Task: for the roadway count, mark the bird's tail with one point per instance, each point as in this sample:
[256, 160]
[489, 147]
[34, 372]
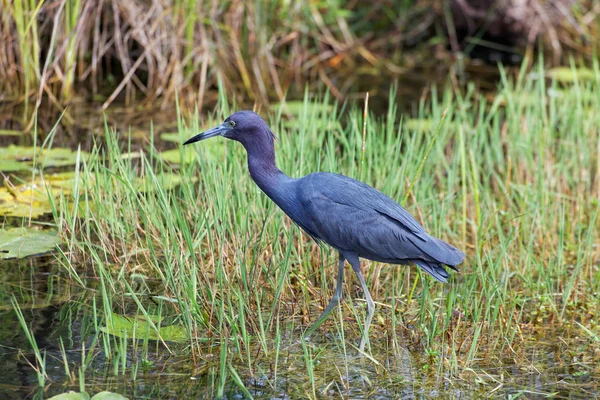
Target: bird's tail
[443, 254]
[434, 269]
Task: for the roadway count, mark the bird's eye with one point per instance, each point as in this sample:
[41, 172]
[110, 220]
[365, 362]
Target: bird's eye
[232, 123]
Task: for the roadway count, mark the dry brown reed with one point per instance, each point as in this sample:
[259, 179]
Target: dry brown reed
[150, 50]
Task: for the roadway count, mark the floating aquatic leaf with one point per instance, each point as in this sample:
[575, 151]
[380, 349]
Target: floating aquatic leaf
[23, 242]
[318, 123]
[154, 318]
[209, 150]
[297, 108]
[61, 180]
[131, 156]
[171, 137]
[109, 396]
[569, 75]
[9, 132]
[174, 156]
[140, 328]
[12, 166]
[32, 198]
[71, 395]
[55, 157]
[16, 206]
[5, 196]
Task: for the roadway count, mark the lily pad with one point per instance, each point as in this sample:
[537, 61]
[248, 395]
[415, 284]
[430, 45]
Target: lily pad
[11, 206]
[570, 75]
[129, 328]
[61, 180]
[10, 132]
[297, 108]
[32, 198]
[174, 156]
[109, 396]
[171, 137]
[318, 123]
[71, 395]
[23, 242]
[12, 166]
[209, 149]
[55, 157]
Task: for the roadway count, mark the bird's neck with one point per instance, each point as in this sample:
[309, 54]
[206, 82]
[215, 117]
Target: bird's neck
[263, 170]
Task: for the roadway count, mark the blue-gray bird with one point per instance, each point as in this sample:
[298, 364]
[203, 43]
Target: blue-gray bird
[350, 216]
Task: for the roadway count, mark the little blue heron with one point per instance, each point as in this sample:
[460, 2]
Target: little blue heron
[350, 216]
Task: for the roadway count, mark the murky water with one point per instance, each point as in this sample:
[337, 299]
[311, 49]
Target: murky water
[57, 312]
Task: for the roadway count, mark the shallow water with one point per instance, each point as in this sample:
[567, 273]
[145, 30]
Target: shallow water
[548, 365]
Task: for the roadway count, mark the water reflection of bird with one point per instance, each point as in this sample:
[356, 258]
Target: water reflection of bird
[352, 217]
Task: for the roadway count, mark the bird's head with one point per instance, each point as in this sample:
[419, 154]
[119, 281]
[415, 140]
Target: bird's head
[245, 127]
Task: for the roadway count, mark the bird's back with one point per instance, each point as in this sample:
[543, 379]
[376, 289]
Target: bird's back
[350, 215]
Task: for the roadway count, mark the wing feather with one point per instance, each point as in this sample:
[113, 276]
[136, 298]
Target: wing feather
[350, 215]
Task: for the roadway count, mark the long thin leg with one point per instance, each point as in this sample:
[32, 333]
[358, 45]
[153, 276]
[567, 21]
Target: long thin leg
[337, 296]
[355, 262]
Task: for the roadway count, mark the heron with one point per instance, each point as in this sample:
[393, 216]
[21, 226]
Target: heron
[354, 218]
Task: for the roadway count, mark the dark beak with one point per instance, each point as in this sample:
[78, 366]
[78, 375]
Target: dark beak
[216, 131]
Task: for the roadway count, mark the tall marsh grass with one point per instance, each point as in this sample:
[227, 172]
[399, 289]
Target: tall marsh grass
[150, 50]
[143, 52]
[514, 182]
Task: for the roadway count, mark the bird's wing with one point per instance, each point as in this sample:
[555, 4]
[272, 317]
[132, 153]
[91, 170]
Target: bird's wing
[351, 215]
[353, 193]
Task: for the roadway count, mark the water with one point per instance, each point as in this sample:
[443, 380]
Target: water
[57, 311]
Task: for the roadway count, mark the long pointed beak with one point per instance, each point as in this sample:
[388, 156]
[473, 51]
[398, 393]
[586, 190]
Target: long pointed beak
[216, 131]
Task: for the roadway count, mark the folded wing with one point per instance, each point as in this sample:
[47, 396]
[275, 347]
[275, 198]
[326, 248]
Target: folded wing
[366, 221]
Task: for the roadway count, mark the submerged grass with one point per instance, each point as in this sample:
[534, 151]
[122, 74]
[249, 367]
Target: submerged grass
[513, 182]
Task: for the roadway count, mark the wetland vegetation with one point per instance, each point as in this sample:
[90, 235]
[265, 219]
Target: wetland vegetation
[133, 265]
[163, 260]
